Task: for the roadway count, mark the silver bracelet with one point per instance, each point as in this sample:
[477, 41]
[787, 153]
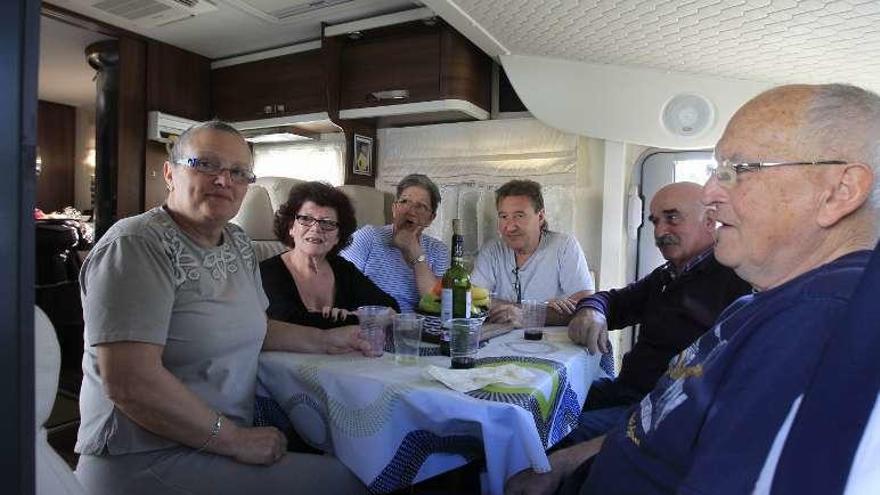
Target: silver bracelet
[215, 430]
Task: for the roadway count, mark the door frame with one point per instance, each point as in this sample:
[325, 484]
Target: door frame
[19, 51]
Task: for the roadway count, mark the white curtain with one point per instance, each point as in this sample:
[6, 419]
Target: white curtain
[307, 160]
[468, 161]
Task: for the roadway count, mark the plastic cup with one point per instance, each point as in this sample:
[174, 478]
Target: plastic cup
[374, 321]
[534, 314]
[464, 334]
[407, 337]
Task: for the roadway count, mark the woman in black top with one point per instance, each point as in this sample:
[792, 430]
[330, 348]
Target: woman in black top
[311, 285]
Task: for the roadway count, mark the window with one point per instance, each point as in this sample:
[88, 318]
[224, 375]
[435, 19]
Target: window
[310, 160]
[694, 170]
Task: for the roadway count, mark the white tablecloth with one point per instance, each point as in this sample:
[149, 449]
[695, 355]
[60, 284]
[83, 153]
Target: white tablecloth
[393, 426]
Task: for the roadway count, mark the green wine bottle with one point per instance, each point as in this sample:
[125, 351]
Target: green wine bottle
[456, 295]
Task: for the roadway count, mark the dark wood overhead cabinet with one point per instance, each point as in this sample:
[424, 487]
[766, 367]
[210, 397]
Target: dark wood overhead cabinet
[288, 85]
[413, 63]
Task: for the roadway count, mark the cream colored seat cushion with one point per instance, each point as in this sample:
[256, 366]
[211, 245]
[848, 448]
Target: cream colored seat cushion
[369, 204]
[54, 477]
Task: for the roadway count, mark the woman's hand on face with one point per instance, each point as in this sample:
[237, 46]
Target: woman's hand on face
[407, 237]
[335, 314]
[345, 339]
[258, 445]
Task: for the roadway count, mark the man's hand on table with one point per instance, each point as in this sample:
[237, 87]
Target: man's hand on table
[589, 328]
[563, 306]
[562, 464]
[345, 339]
[505, 312]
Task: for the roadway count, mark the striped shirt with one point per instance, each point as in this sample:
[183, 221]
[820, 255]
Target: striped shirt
[374, 253]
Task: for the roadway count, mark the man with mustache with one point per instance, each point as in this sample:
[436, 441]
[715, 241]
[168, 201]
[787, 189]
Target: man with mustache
[674, 304]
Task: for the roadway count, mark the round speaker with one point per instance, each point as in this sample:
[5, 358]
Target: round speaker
[687, 115]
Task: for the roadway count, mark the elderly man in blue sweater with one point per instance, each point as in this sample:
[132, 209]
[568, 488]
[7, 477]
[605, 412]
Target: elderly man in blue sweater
[796, 199]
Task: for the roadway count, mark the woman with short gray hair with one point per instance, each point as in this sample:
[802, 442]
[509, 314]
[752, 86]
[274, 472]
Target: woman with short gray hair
[399, 258]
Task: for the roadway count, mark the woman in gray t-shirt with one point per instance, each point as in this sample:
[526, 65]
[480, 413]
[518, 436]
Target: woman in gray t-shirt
[174, 316]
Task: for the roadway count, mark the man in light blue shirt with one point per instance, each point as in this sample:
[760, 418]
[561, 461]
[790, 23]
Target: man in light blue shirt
[529, 261]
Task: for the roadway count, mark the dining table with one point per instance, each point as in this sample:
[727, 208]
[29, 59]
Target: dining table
[393, 424]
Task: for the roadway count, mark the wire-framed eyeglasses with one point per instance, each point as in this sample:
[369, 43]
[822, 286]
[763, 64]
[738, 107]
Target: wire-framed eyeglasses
[416, 206]
[208, 167]
[323, 224]
[725, 173]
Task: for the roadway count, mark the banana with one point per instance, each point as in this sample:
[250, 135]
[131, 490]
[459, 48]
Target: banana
[478, 293]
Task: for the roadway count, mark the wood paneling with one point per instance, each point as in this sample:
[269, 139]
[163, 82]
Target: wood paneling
[154, 183]
[465, 71]
[296, 81]
[56, 138]
[132, 127]
[431, 62]
[178, 82]
[400, 60]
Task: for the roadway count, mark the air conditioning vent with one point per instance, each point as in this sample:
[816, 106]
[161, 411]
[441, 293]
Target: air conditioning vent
[308, 7]
[150, 13]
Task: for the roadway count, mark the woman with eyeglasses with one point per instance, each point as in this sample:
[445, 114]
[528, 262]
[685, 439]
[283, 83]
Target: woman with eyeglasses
[310, 284]
[174, 324]
[400, 258]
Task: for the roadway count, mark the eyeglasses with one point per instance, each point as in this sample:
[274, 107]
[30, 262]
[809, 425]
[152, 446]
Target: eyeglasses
[323, 224]
[517, 285]
[208, 167]
[414, 205]
[726, 172]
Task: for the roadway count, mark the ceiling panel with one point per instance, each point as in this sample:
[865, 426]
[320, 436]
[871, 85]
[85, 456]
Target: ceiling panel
[776, 41]
[245, 26]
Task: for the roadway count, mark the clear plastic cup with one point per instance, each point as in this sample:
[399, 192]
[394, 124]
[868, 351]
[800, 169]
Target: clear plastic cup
[407, 337]
[374, 322]
[464, 335]
[534, 314]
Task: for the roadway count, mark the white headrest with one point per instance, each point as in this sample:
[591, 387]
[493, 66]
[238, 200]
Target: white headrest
[256, 215]
[369, 204]
[47, 365]
[278, 189]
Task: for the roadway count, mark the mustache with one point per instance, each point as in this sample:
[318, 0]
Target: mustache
[667, 240]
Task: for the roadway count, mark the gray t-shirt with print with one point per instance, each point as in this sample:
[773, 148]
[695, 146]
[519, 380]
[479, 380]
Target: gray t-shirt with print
[147, 281]
[556, 269]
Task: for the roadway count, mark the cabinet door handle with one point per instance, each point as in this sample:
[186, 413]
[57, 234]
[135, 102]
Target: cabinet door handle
[390, 94]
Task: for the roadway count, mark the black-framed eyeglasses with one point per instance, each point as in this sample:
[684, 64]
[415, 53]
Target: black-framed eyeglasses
[725, 173]
[323, 224]
[517, 285]
[208, 167]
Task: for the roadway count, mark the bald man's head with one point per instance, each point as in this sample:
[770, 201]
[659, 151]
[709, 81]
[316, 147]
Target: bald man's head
[681, 229]
[803, 159]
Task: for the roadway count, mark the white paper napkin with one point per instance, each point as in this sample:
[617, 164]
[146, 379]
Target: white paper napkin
[477, 378]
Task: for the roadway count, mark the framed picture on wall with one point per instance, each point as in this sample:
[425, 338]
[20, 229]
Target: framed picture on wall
[362, 164]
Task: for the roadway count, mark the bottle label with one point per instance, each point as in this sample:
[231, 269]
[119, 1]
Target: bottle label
[445, 305]
[467, 305]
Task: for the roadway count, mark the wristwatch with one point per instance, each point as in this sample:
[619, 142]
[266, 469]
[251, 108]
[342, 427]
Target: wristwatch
[421, 259]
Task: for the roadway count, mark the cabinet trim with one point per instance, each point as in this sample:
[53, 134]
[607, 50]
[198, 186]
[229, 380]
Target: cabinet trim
[453, 105]
[281, 121]
[276, 52]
